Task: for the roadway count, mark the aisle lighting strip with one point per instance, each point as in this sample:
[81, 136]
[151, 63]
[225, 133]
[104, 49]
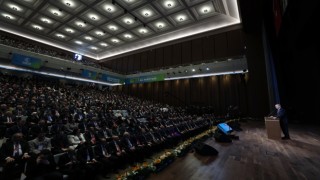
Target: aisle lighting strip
[57, 75]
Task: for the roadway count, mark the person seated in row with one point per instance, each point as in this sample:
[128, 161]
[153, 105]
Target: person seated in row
[40, 143]
[14, 155]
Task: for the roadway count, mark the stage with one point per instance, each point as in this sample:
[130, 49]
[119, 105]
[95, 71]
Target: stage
[253, 156]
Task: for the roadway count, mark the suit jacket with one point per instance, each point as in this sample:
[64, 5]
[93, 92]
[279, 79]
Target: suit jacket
[7, 149]
[83, 152]
[98, 150]
[282, 115]
[35, 143]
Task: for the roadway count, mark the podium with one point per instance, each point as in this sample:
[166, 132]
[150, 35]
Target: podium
[273, 128]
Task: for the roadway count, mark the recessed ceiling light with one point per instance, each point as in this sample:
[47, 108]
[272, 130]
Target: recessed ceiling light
[143, 30]
[128, 36]
[56, 12]
[78, 42]
[80, 24]
[94, 48]
[69, 30]
[109, 8]
[128, 20]
[60, 35]
[46, 20]
[207, 69]
[146, 13]
[181, 17]
[104, 44]
[88, 38]
[93, 17]
[113, 27]
[14, 7]
[160, 25]
[193, 70]
[115, 40]
[8, 16]
[205, 9]
[169, 4]
[99, 33]
[37, 27]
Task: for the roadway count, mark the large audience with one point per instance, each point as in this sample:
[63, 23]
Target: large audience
[25, 45]
[91, 130]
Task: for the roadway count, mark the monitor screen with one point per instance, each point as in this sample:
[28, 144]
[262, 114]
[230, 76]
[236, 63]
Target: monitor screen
[77, 57]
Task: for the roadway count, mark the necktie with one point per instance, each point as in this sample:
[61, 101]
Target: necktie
[117, 147]
[16, 150]
[129, 143]
[103, 150]
[88, 156]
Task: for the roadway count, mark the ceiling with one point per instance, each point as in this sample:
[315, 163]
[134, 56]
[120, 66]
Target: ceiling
[102, 29]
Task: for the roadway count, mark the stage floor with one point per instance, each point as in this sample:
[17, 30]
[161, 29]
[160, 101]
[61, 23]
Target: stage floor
[253, 156]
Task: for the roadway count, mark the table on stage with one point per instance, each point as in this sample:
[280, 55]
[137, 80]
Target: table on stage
[273, 128]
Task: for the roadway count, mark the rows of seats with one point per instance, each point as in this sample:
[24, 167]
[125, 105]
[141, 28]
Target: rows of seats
[26, 45]
[83, 130]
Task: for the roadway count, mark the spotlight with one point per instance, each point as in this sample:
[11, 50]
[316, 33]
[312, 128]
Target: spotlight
[193, 70]
[207, 69]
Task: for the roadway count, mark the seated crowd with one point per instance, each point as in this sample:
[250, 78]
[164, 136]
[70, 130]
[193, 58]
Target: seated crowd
[21, 44]
[91, 131]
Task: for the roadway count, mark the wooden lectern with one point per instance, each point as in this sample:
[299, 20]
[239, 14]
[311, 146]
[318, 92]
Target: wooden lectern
[273, 128]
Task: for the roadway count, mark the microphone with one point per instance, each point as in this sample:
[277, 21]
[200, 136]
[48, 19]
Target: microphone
[273, 112]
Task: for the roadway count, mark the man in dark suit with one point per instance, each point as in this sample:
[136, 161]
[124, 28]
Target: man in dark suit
[282, 116]
[14, 154]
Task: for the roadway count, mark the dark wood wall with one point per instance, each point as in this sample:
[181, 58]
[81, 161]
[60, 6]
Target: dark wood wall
[216, 91]
[227, 44]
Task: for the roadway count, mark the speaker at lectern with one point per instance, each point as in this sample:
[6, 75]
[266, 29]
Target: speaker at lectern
[273, 128]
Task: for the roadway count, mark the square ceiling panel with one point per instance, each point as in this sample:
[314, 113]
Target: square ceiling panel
[93, 17]
[109, 9]
[103, 45]
[33, 4]
[127, 36]
[112, 28]
[87, 1]
[45, 21]
[194, 2]
[142, 31]
[99, 34]
[181, 18]
[130, 4]
[115, 41]
[169, 6]
[70, 6]
[80, 25]
[36, 28]
[78, 43]
[128, 21]
[146, 13]
[10, 18]
[60, 36]
[160, 25]
[204, 10]
[55, 13]
[69, 31]
[16, 9]
[88, 39]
